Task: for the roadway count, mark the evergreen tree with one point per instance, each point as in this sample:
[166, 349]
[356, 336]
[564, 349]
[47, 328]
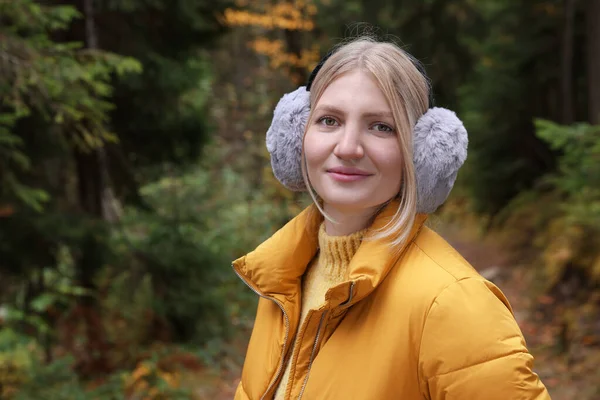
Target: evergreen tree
[92, 94]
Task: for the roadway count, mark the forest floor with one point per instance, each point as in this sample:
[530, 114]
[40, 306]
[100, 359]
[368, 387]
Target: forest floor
[567, 362]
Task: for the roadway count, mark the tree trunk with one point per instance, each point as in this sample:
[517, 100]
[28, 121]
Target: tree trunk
[293, 41]
[92, 180]
[109, 209]
[89, 259]
[593, 59]
[91, 37]
[567, 63]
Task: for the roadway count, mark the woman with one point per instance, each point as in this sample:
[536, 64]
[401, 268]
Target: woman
[358, 299]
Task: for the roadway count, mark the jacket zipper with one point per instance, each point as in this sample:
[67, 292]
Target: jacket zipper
[287, 330]
[312, 354]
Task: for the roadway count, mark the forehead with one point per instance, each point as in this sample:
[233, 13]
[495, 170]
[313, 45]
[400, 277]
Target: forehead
[354, 91]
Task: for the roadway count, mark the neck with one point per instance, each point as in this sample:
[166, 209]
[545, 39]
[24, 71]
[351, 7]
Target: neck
[347, 221]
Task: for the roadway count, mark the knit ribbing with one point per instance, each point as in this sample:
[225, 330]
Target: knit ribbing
[336, 253]
[328, 268]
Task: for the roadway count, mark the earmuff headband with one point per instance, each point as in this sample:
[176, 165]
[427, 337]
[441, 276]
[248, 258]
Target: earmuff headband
[439, 145]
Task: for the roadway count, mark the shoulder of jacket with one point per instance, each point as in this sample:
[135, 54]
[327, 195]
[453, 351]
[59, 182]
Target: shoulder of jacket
[427, 267]
[434, 253]
[435, 266]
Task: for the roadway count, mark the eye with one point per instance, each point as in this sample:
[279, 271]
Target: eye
[327, 121]
[383, 128]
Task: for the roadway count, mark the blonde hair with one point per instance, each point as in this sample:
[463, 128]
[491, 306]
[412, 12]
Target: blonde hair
[407, 92]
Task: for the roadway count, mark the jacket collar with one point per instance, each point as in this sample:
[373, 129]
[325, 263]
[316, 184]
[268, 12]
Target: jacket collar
[274, 268]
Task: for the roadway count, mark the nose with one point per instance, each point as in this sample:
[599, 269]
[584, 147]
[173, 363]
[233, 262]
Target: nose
[349, 146]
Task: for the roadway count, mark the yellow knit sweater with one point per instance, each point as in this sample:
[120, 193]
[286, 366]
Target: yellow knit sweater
[328, 268]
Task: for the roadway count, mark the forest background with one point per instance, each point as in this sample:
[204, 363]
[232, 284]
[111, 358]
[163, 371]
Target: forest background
[133, 171]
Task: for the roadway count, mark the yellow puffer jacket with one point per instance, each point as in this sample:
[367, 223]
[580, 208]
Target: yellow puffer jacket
[422, 324]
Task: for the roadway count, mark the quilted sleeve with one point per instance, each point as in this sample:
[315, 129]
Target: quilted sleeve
[472, 347]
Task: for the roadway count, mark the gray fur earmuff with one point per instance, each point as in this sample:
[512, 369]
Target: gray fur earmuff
[284, 138]
[439, 148]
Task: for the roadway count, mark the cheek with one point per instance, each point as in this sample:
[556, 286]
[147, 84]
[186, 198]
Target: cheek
[314, 151]
[389, 163]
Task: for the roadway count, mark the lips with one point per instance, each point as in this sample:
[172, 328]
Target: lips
[348, 171]
[347, 174]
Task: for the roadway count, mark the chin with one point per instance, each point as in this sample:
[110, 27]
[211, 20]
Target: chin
[351, 202]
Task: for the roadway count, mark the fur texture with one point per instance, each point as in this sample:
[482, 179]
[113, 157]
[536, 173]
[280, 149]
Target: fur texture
[284, 138]
[440, 148]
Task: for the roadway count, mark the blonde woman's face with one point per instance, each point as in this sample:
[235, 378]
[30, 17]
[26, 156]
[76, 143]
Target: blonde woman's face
[352, 152]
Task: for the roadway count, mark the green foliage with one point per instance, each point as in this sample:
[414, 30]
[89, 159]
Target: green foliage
[167, 102]
[76, 125]
[24, 377]
[578, 175]
[575, 240]
[64, 84]
[15, 360]
[512, 47]
[189, 241]
[557, 223]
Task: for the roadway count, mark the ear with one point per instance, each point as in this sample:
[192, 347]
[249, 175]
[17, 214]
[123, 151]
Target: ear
[285, 135]
[439, 149]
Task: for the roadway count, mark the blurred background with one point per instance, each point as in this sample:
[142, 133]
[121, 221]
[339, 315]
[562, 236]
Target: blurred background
[133, 171]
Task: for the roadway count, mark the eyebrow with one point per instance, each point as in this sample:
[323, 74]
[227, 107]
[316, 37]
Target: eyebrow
[336, 110]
